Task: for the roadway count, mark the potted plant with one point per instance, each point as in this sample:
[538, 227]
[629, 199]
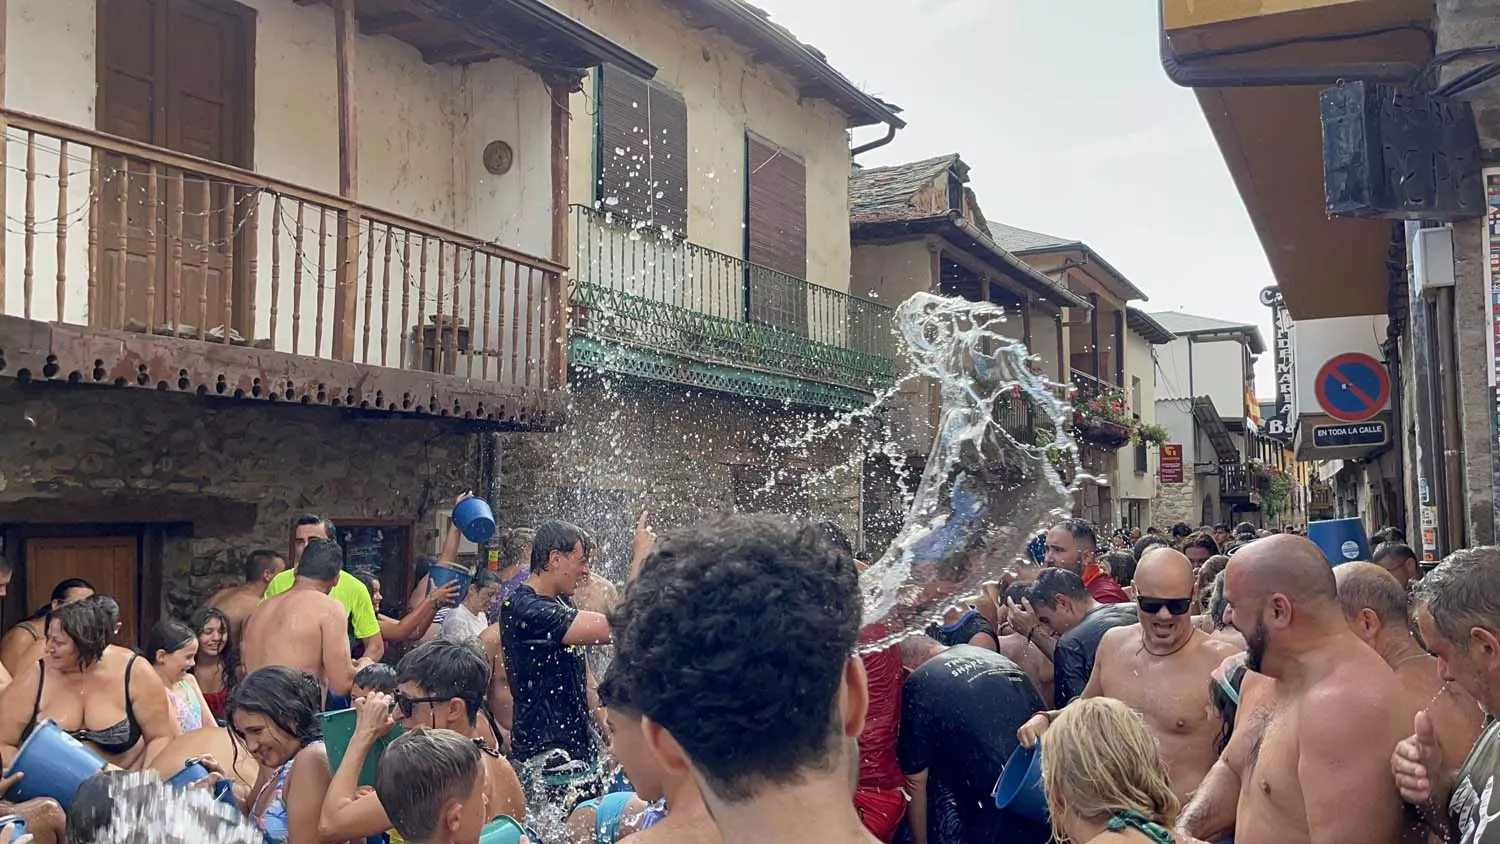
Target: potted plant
[1149, 433]
[1103, 417]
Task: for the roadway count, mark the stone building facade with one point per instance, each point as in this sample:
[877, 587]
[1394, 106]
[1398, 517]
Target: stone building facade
[189, 486]
[682, 454]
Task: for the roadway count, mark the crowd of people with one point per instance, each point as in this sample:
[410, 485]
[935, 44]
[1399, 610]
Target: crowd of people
[1187, 685]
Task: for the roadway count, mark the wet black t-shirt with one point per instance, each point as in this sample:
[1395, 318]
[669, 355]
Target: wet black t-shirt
[1074, 660]
[959, 715]
[547, 678]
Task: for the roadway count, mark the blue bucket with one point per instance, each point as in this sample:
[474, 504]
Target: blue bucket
[443, 574]
[188, 775]
[501, 830]
[1019, 788]
[1342, 540]
[475, 519]
[54, 764]
[13, 821]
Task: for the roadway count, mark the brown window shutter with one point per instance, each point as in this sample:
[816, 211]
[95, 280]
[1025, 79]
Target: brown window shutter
[777, 223]
[669, 160]
[643, 151]
[624, 144]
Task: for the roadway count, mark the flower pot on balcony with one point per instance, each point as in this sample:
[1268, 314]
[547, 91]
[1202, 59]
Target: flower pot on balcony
[1101, 431]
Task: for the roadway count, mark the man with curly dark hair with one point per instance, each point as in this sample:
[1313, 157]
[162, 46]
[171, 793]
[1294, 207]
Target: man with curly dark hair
[737, 642]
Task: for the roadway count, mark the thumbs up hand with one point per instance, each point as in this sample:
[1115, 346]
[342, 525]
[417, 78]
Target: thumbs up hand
[1416, 760]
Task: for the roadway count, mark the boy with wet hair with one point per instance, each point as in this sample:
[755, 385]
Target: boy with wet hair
[432, 786]
[767, 723]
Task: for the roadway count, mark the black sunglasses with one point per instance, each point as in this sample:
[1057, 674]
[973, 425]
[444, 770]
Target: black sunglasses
[1175, 606]
[406, 704]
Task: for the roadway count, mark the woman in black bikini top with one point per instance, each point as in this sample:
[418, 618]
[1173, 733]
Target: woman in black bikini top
[79, 655]
[23, 638]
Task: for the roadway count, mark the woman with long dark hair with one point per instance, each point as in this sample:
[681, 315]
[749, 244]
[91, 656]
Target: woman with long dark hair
[172, 648]
[20, 641]
[103, 694]
[273, 715]
[217, 667]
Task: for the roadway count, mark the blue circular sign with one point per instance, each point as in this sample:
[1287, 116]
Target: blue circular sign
[1353, 387]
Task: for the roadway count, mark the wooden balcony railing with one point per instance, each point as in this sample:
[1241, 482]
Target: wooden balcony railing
[121, 235]
[1236, 480]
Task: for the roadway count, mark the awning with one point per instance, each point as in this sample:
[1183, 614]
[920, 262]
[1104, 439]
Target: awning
[1218, 433]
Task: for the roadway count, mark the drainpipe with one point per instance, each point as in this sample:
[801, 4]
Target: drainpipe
[1274, 77]
[890, 135]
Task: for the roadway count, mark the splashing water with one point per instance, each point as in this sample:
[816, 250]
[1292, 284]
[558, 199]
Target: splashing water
[146, 809]
[983, 491]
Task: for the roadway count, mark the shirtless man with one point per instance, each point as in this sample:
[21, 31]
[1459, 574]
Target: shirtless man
[1309, 762]
[238, 602]
[1161, 668]
[303, 628]
[1374, 602]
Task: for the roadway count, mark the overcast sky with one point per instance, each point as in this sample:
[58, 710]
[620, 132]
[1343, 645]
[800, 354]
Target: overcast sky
[1070, 126]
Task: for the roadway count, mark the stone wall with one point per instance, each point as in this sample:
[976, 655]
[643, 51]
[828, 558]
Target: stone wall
[217, 477]
[683, 454]
[1177, 503]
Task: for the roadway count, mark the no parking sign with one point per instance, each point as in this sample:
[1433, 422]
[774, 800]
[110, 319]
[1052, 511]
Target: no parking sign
[1353, 387]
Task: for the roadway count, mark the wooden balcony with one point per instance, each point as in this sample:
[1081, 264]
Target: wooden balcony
[1109, 433]
[131, 265]
[1237, 482]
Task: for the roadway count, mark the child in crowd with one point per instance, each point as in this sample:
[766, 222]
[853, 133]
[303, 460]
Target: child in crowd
[432, 786]
[377, 677]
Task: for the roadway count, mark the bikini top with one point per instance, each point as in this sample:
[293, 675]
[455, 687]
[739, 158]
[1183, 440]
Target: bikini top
[115, 739]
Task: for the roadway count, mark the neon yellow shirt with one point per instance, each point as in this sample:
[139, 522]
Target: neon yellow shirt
[348, 591]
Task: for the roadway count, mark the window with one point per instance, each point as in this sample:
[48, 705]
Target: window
[1135, 395]
[776, 235]
[641, 157]
[1142, 460]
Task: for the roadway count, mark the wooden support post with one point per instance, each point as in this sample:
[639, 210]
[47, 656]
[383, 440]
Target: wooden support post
[555, 359]
[346, 275]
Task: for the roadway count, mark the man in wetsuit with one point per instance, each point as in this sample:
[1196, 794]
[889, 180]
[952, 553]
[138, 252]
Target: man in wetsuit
[1160, 667]
[960, 709]
[1060, 602]
[1072, 545]
[737, 643]
[1457, 609]
[1309, 760]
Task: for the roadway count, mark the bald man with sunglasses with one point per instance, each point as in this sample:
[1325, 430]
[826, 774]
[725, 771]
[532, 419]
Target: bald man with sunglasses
[1160, 667]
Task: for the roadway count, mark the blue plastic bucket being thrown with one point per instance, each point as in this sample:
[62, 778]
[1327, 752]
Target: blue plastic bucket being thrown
[475, 519]
[54, 763]
[1019, 788]
[502, 830]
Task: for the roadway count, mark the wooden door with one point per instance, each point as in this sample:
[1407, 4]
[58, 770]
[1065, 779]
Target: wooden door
[111, 563]
[175, 74]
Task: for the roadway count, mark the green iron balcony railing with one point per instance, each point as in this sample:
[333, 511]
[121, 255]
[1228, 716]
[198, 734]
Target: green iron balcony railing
[638, 288]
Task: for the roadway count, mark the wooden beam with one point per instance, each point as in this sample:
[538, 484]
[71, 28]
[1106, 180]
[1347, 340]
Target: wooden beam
[454, 51]
[557, 90]
[346, 276]
[307, 2]
[382, 24]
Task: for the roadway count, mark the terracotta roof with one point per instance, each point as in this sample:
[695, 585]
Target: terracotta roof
[1022, 240]
[776, 45]
[884, 194]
